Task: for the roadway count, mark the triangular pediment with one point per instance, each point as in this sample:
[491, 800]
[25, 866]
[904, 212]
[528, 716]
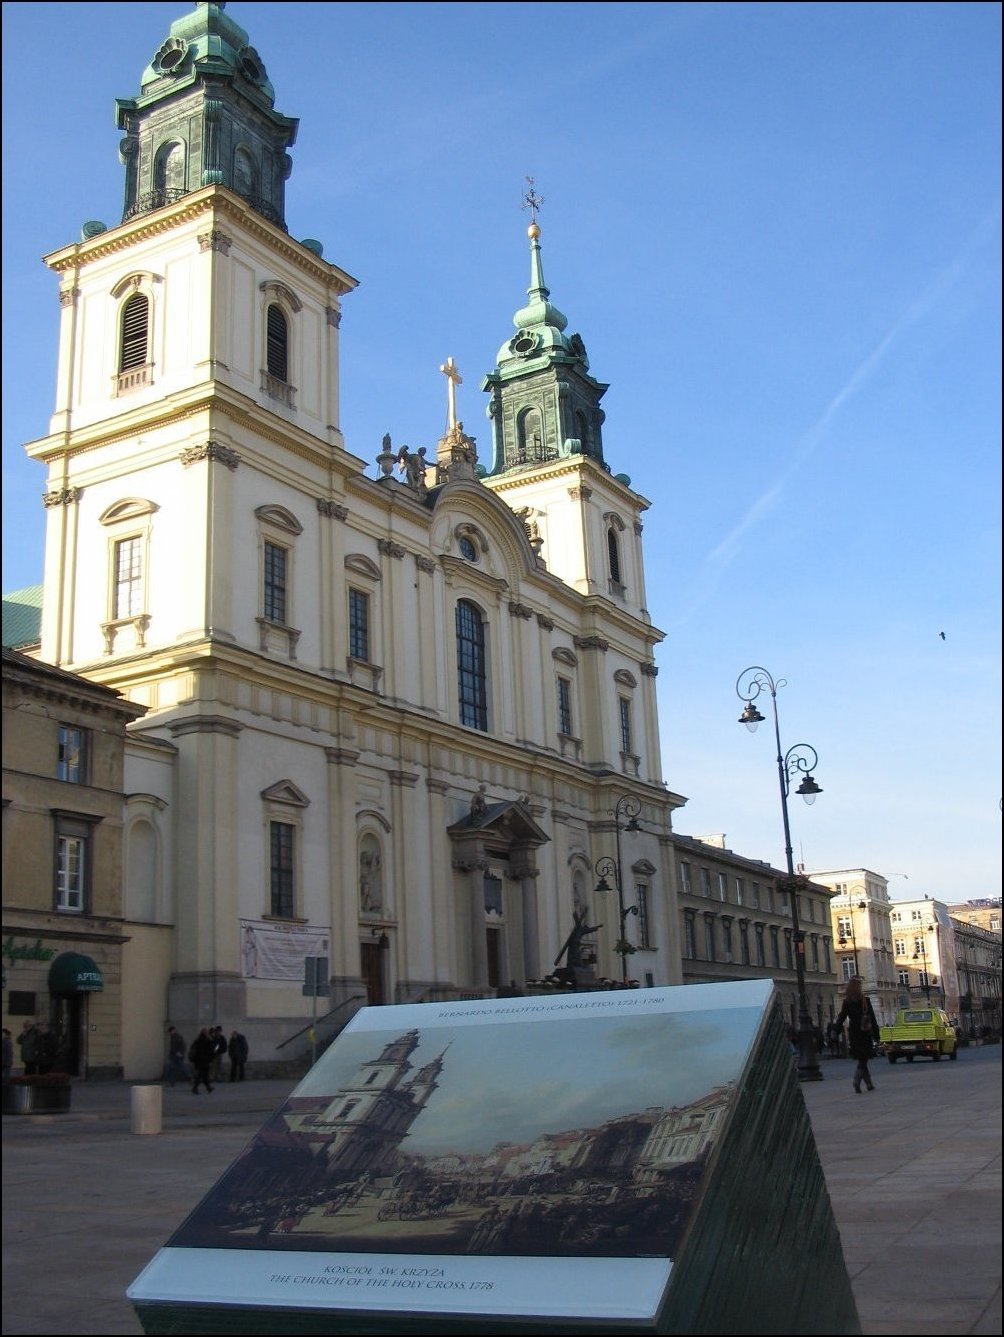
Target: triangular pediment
[510, 822]
[284, 791]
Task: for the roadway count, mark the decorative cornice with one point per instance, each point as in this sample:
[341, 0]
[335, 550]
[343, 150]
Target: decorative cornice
[437, 786]
[580, 493]
[210, 200]
[471, 865]
[546, 622]
[332, 509]
[403, 779]
[520, 610]
[212, 451]
[341, 756]
[425, 564]
[66, 496]
[68, 296]
[206, 724]
[391, 549]
[590, 643]
[333, 316]
[649, 670]
[215, 241]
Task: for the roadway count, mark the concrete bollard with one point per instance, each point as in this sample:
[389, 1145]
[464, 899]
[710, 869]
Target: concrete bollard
[146, 1109]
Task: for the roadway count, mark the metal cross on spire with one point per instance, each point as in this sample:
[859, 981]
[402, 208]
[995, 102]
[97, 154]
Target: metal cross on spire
[531, 200]
[453, 379]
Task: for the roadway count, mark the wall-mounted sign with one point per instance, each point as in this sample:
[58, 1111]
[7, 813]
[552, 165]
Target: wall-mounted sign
[14, 951]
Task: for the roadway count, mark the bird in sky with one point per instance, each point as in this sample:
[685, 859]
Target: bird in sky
[941, 634]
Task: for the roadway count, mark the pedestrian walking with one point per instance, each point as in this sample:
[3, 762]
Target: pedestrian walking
[27, 1043]
[175, 1069]
[201, 1057]
[8, 1055]
[862, 1030]
[238, 1051]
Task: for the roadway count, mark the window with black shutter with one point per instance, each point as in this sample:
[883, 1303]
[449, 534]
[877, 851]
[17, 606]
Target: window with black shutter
[135, 332]
[278, 343]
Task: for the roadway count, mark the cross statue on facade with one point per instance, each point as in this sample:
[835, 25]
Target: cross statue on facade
[453, 379]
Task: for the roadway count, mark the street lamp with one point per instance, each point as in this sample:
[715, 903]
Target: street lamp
[842, 941]
[629, 807]
[921, 954]
[798, 760]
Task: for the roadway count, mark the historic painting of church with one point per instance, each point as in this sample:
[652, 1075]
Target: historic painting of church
[545, 1135]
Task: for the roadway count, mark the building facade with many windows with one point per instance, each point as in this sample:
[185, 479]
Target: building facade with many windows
[64, 936]
[389, 707]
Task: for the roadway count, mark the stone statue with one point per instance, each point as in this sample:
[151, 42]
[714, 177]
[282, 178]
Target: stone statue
[479, 805]
[412, 465]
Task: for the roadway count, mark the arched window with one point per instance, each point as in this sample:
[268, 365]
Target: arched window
[613, 556]
[135, 332]
[471, 675]
[277, 350]
[169, 173]
[244, 174]
[530, 436]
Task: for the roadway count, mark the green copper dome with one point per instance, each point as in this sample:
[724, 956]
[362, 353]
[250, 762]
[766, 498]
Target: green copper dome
[206, 40]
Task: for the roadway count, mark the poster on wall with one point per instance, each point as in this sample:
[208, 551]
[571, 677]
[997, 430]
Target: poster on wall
[272, 951]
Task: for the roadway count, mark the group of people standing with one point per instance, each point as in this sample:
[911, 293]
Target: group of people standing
[39, 1048]
[205, 1056]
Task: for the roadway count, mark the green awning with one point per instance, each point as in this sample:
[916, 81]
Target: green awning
[72, 972]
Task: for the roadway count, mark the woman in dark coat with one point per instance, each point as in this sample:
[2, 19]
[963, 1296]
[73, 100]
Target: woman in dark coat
[201, 1056]
[862, 1030]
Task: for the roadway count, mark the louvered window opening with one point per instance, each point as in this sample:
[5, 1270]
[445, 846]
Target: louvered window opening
[278, 344]
[613, 556]
[135, 332]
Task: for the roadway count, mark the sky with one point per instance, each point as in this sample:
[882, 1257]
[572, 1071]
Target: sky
[777, 228]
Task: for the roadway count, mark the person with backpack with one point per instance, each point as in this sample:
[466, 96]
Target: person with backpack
[862, 1030]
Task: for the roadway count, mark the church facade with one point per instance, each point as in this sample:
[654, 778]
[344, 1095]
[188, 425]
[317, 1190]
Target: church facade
[389, 705]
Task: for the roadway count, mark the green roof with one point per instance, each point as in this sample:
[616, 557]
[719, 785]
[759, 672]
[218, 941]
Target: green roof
[22, 617]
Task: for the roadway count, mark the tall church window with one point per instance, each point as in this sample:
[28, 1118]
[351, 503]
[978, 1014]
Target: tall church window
[624, 718]
[281, 886]
[359, 625]
[644, 918]
[128, 600]
[275, 583]
[277, 346]
[471, 669]
[135, 341]
[564, 706]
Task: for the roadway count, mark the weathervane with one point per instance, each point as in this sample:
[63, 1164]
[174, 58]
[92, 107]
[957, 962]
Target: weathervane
[532, 201]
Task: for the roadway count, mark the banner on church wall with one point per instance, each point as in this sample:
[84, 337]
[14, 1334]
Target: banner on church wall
[277, 951]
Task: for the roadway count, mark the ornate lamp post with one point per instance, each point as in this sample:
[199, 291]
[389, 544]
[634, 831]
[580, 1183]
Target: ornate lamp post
[798, 760]
[921, 954]
[629, 807]
[842, 941]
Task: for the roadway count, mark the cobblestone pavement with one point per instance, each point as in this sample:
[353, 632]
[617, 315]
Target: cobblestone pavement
[913, 1171]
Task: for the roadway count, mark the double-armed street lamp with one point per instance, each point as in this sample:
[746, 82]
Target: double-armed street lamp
[798, 760]
[627, 806]
[842, 941]
[920, 954]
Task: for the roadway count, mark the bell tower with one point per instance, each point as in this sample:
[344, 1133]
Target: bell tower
[205, 116]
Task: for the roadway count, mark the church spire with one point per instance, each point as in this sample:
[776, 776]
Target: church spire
[545, 404]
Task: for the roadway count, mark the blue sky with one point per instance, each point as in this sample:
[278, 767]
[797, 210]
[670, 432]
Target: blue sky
[777, 228]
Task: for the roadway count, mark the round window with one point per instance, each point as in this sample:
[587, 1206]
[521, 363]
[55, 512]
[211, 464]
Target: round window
[468, 550]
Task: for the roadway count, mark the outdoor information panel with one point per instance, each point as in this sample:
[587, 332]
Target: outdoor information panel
[636, 1160]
